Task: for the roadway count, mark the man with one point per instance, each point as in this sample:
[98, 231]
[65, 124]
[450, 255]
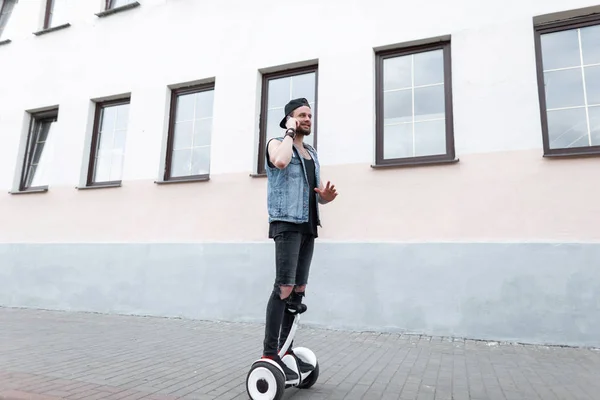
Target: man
[293, 190]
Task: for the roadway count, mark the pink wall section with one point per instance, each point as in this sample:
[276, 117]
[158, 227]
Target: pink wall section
[514, 196]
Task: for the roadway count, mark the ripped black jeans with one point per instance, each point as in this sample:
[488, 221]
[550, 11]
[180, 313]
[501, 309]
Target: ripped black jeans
[293, 256]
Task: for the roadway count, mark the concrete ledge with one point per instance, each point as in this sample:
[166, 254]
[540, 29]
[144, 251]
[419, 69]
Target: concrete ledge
[53, 29]
[530, 292]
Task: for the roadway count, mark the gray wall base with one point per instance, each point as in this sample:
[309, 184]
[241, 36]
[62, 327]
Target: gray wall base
[533, 293]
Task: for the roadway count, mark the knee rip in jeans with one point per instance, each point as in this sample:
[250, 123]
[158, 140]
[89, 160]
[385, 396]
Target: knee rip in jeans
[283, 290]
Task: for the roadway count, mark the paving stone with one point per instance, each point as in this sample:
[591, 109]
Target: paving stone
[48, 355]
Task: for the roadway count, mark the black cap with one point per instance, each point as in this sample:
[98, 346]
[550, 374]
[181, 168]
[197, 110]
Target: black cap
[291, 106]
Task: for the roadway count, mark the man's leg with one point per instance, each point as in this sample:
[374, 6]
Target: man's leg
[302, 272]
[287, 248]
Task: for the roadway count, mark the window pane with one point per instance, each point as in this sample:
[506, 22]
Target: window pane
[590, 43]
[204, 104]
[564, 88]
[120, 3]
[567, 128]
[59, 14]
[429, 102]
[41, 175]
[560, 49]
[31, 173]
[182, 138]
[430, 138]
[592, 85]
[202, 132]
[181, 163]
[102, 171]
[111, 142]
[37, 152]
[105, 144]
[594, 113]
[122, 116]
[429, 67]
[304, 86]
[273, 118]
[185, 107]
[116, 167]
[397, 73]
[279, 92]
[119, 142]
[39, 171]
[398, 141]
[201, 161]
[108, 118]
[397, 106]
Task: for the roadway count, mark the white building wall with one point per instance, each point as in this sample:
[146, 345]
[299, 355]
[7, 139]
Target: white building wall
[383, 261]
[162, 43]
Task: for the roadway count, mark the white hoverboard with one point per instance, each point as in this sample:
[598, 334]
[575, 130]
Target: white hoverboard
[266, 379]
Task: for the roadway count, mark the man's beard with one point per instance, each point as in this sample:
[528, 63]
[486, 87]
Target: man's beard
[303, 131]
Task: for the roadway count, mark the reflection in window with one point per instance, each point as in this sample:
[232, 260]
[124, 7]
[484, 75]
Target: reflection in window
[108, 151]
[571, 76]
[39, 151]
[190, 131]
[412, 105]
[6, 7]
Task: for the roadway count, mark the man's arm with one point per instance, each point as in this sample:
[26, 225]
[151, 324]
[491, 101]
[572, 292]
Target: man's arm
[326, 193]
[280, 153]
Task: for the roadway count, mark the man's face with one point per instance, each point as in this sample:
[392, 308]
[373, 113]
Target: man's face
[304, 116]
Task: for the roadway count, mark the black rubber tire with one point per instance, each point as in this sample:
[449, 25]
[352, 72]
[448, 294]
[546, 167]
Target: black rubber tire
[311, 380]
[277, 374]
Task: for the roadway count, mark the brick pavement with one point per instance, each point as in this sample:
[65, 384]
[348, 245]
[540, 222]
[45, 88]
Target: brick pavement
[54, 355]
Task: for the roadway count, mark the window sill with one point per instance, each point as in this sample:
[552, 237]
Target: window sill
[53, 29]
[112, 11]
[191, 179]
[579, 154]
[409, 164]
[5, 41]
[38, 189]
[100, 186]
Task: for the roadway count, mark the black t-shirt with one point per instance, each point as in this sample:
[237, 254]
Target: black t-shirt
[310, 227]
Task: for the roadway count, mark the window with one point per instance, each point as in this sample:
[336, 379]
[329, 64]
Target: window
[55, 14]
[6, 7]
[38, 151]
[414, 106]
[190, 130]
[568, 64]
[112, 4]
[278, 89]
[108, 143]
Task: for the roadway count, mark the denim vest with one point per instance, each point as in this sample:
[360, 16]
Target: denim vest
[287, 189]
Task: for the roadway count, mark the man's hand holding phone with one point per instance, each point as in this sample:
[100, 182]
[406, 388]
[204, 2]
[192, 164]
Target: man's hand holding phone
[292, 123]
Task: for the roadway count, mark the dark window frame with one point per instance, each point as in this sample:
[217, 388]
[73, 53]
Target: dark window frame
[95, 142]
[35, 119]
[262, 126]
[539, 30]
[450, 155]
[175, 93]
[48, 12]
